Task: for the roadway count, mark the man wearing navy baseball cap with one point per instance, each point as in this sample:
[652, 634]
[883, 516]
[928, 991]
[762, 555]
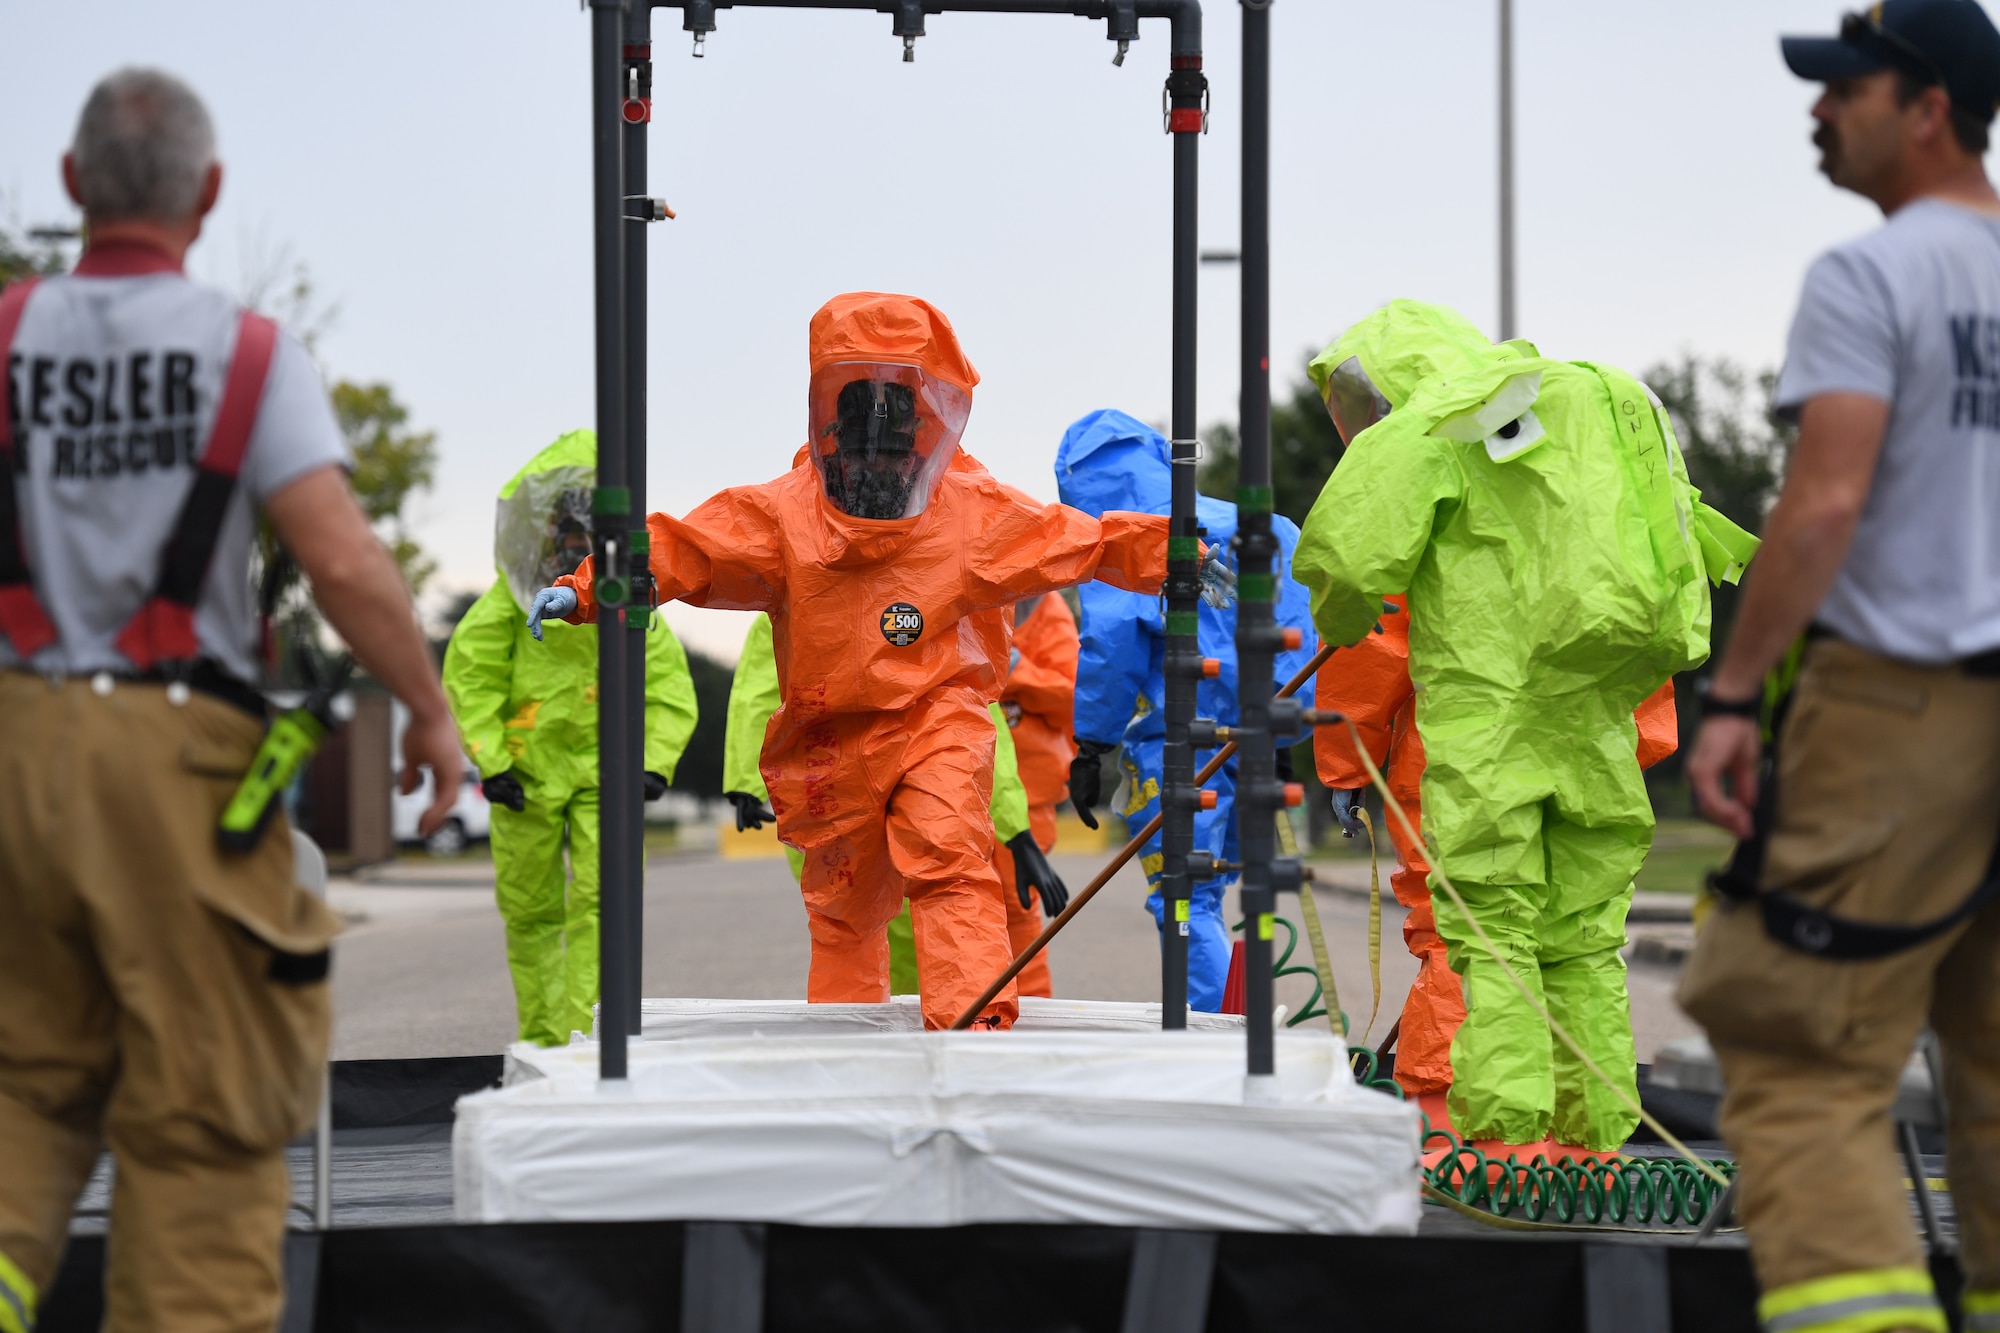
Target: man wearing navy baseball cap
[1860, 905]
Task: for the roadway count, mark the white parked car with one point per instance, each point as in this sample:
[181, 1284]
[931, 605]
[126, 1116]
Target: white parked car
[470, 819]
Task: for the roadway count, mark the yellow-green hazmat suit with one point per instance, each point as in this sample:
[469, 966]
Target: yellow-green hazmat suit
[531, 709]
[1540, 518]
[753, 699]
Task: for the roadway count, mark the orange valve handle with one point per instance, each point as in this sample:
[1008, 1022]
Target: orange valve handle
[1295, 795]
[1291, 638]
[1211, 668]
[1207, 799]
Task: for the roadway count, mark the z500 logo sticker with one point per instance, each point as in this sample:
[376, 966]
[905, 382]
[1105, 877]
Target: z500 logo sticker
[902, 624]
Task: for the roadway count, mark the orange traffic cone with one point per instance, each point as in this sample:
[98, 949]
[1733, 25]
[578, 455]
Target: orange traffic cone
[1232, 987]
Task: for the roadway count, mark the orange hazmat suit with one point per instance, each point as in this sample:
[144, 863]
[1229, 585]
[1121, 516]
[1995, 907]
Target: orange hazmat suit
[879, 760]
[1040, 704]
[1370, 684]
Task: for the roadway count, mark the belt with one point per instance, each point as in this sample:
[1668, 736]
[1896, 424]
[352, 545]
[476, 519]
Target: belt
[204, 677]
[1979, 666]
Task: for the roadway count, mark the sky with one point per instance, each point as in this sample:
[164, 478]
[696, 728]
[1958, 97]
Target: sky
[429, 164]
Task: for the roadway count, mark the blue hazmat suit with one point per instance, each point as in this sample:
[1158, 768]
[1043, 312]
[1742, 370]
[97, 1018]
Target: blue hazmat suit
[1110, 461]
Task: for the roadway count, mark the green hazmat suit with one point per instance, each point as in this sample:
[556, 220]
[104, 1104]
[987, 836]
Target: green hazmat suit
[754, 698]
[532, 708]
[1540, 518]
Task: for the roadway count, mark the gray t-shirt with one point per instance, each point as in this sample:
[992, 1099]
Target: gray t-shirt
[1910, 314]
[114, 382]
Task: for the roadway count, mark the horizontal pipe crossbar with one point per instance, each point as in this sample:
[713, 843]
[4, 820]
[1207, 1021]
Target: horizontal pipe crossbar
[1185, 14]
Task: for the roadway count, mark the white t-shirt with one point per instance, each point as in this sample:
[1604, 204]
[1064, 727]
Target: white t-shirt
[113, 383]
[1910, 314]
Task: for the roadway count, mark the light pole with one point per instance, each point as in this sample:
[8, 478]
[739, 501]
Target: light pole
[1506, 169]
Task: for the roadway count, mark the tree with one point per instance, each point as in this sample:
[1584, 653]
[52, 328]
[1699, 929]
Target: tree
[26, 256]
[390, 463]
[1736, 449]
[1735, 446]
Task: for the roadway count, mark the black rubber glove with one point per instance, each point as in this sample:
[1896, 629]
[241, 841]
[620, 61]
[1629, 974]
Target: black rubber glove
[1282, 761]
[1347, 808]
[1033, 871]
[1086, 779]
[656, 786]
[750, 812]
[506, 789]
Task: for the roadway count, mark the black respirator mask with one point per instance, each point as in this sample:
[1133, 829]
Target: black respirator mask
[875, 463]
[572, 548]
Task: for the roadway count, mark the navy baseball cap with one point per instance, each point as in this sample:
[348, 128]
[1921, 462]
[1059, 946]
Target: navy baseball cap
[1951, 43]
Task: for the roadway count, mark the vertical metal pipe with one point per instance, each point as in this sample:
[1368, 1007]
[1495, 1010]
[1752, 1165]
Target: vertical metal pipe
[1258, 796]
[1507, 326]
[638, 112]
[611, 521]
[1187, 89]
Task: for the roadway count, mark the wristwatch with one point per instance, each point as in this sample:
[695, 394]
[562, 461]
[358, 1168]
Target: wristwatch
[1752, 708]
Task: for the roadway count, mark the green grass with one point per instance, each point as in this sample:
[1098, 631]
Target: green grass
[1684, 851]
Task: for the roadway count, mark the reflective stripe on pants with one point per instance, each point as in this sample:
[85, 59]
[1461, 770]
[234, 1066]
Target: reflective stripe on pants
[1865, 1302]
[1982, 1312]
[17, 1299]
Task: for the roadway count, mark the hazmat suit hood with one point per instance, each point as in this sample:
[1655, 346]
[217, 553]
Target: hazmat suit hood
[1381, 362]
[1402, 345]
[542, 511]
[889, 397]
[1108, 460]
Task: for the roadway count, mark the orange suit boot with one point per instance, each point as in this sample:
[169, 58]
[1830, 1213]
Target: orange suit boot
[878, 562]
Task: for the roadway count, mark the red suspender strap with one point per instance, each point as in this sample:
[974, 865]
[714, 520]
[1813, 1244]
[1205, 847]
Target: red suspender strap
[163, 630]
[22, 618]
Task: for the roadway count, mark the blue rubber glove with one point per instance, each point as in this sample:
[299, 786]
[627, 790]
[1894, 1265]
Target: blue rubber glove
[1349, 811]
[549, 604]
[1218, 581]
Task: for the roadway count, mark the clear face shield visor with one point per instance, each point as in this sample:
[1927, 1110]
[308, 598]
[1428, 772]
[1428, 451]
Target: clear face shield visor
[1352, 400]
[882, 434]
[543, 529]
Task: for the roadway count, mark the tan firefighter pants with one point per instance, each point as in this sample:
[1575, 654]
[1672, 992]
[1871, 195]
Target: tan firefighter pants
[1888, 811]
[157, 996]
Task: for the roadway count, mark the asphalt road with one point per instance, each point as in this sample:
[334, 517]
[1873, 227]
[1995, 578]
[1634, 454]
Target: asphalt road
[422, 968]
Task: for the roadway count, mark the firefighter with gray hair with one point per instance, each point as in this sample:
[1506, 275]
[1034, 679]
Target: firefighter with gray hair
[162, 995]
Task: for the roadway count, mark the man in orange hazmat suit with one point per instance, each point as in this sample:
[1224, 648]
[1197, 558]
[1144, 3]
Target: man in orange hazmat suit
[1040, 705]
[874, 558]
[1370, 684]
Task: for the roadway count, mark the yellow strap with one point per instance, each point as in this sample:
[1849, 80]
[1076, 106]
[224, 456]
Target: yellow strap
[1439, 879]
[1288, 844]
[1374, 922]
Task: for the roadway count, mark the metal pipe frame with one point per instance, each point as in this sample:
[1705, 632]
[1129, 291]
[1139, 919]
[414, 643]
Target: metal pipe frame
[1260, 798]
[636, 59]
[621, 63]
[1180, 797]
[611, 522]
[909, 14]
